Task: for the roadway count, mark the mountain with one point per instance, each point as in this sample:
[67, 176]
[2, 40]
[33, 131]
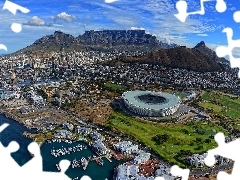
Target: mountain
[178, 57]
[110, 38]
[212, 54]
[96, 40]
[167, 46]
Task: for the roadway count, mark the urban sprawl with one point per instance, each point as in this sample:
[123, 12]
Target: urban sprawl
[42, 91]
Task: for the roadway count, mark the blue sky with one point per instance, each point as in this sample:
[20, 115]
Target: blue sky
[155, 16]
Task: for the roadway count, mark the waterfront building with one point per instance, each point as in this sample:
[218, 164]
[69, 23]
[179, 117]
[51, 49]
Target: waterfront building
[96, 136]
[99, 148]
[126, 147]
[63, 133]
[83, 130]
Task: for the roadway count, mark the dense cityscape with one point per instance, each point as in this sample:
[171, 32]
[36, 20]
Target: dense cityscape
[80, 96]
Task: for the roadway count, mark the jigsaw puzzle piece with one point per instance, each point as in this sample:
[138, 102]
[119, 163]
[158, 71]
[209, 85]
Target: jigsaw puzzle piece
[182, 7]
[5, 125]
[221, 6]
[182, 15]
[8, 163]
[236, 16]
[177, 171]
[159, 178]
[88, 178]
[222, 51]
[35, 164]
[64, 164]
[223, 176]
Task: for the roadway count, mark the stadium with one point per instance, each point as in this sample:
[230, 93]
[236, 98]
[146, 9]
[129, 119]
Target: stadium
[151, 104]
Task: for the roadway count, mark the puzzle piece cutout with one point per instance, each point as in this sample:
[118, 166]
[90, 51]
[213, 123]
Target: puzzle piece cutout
[222, 51]
[236, 16]
[228, 150]
[182, 7]
[177, 171]
[12, 7]
[110, 1]
[9, 169]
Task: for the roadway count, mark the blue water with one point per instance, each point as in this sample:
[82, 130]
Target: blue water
[93, 169]
[14, 133]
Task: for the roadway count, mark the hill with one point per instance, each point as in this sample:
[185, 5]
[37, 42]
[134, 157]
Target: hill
[178, 57]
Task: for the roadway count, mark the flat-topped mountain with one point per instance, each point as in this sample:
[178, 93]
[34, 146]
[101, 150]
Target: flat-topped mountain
[96, 40]
[118, 37]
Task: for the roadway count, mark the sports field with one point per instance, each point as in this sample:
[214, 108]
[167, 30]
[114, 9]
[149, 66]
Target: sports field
[170, 141]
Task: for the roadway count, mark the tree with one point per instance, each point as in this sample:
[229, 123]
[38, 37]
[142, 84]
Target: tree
[160, 138]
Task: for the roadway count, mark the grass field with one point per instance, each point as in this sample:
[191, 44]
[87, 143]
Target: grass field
[114, 87]
[190, 137]
[221, 104]
[181, 95]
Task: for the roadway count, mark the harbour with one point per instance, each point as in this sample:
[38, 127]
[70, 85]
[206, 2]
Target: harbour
[102, 170]
[84, 162]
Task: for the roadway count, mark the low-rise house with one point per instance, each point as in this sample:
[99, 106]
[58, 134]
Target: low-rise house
[142, 158]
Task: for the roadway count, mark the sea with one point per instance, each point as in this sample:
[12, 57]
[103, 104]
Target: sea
[14, 133]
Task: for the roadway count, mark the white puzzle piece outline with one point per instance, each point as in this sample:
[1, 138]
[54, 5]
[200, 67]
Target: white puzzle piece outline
[9, 168]
[182, 7]
[228, 150]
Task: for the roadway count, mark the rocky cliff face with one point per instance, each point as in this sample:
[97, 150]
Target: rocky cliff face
[118, 37]
[96, 40]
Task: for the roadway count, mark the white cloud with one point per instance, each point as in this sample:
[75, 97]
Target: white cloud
[136, 28]
[202, 35]
[35, 21]
[110, 1]
[64, 16]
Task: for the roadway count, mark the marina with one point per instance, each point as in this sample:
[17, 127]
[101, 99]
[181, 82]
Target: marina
[63, 151]
[82, 162]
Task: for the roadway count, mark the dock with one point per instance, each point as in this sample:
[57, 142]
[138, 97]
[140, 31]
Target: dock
[108, 158]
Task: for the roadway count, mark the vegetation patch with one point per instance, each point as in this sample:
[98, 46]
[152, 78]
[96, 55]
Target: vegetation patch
[181, 95]
[170, 141]
[221, 104]
[114, 87]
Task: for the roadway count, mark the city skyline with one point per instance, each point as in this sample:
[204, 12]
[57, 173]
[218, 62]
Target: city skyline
[154, 16]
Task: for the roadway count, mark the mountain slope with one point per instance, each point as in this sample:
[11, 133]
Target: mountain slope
[178, 57]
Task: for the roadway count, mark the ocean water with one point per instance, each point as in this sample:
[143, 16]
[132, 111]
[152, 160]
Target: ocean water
[22, 156]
